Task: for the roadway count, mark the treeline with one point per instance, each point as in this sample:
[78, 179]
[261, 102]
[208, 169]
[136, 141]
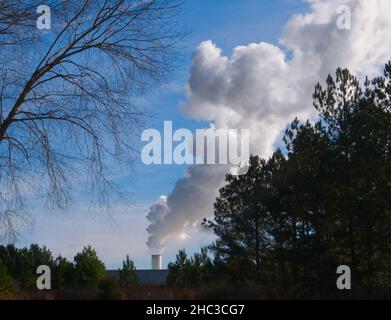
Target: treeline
[18, 268]
[323, 202]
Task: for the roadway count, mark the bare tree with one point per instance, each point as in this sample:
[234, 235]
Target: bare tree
[66, 94]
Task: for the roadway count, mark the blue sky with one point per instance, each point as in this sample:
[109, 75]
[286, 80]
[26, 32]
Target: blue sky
[228, 23]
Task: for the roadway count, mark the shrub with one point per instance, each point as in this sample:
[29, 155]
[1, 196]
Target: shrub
[109, 289]
[7, 284]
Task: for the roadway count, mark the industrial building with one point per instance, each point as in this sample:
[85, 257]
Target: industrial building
[156, 275]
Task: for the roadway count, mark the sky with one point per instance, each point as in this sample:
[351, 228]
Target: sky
[244, 64]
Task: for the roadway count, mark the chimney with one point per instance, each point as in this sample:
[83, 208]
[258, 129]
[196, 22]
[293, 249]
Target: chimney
[156, 262]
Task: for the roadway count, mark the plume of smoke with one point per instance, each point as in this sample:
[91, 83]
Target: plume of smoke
[261, 89]
[179, 211]
[156, 216]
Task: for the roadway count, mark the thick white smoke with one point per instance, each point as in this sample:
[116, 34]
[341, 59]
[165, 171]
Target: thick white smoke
[200, 182]
[259, 88]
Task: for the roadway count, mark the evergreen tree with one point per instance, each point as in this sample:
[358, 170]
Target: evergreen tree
[63, 273]
[296, 217]
[127, 275]
[88, 268]
[241, 215]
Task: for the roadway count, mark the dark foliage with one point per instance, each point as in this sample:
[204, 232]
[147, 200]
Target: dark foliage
[127, 275]
[109, 289]
[193, 272]
[294, 218]
[18, 268]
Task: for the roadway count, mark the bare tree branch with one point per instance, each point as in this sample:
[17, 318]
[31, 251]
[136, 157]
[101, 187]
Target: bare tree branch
[66, 94]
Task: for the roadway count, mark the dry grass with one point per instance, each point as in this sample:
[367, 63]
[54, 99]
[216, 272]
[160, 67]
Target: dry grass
[163, 292]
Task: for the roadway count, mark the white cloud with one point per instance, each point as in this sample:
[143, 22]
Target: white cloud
[262, 87]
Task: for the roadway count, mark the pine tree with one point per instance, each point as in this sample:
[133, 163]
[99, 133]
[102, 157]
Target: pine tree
[127, 275]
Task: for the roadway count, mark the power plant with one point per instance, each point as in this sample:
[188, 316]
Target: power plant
[155, 275]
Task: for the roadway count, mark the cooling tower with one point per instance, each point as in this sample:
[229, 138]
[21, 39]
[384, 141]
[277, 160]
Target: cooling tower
[156, 262]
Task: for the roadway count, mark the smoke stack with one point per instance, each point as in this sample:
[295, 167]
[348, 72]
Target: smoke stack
[156, 262]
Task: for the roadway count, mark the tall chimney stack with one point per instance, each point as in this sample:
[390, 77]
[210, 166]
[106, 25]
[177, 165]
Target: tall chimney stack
[156, 262]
